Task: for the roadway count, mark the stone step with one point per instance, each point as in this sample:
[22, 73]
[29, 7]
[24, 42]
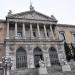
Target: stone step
[54, 69]
[25, 72]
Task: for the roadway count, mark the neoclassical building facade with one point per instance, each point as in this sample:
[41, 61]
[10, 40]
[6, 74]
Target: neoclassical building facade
[29, 36]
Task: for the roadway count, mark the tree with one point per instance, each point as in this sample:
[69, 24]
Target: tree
[73, 50]
[67, 51]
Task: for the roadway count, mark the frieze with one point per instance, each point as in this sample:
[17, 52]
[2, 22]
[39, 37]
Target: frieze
[31, 21]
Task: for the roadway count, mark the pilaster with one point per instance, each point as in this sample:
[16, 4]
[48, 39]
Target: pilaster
[30, 57]
[23, 31]
[7, 37]
[46, 56]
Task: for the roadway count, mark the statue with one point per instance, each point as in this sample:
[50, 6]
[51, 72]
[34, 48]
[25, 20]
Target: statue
[42, 69]
[65, 66]
[10, 12]
[41, 63]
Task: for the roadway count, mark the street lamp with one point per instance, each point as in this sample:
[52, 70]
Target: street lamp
[6, 63]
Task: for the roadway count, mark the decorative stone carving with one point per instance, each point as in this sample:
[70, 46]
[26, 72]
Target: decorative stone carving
[46, 59]
[31, 62]
[41, 63]
[12, 48]
[59, 47]
[11, 53]
[65, 66]
[42, 69]
[34, 15]
[29, 47]
[45, 47]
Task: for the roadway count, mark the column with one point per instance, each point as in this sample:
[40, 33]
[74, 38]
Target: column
[7, 50]
[7, 37]
[23, 31]
[31, 31]
[52, 32]
[38, 30]
[45, 31]
[16, 30]
[8, 73]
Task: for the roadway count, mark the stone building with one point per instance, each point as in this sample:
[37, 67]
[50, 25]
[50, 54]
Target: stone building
[29, 36]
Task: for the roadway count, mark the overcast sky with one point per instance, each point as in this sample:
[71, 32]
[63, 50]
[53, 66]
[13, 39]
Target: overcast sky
[63, 10]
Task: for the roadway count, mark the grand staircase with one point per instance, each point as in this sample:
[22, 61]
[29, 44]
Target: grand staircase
[53, 70]
[72, 72]
[35, 71]
[25, 72]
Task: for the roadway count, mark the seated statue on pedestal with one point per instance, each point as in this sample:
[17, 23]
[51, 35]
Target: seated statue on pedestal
[42, 69]
[41, 63]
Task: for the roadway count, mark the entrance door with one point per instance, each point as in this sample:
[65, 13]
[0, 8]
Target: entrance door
[21, 58]
[53, 56]
[37, 56]
[1, 71]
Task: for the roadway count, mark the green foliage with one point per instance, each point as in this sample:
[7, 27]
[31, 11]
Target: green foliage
[73, 50]
[67, 51]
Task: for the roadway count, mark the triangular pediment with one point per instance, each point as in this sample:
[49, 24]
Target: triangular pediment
[32, 15]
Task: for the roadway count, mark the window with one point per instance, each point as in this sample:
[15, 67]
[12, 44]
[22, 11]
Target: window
[61, 36]
[34, 34]
[53, 56]
[37, 56]
[73, 34]
[48, 34]
[21, 58]
[19, 34]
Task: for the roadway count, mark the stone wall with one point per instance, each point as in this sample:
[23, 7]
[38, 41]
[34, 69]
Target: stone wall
[68, 30]
[2, 38]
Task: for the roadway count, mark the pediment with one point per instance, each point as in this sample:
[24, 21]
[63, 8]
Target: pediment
[32, 15]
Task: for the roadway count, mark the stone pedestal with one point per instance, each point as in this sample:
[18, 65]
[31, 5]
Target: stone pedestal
[42, 69]
[66, 68]
[8, 73]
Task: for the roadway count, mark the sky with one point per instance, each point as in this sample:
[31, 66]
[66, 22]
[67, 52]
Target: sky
[63, 10]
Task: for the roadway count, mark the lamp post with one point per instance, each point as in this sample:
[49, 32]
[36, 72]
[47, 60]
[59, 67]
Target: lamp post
[6, 61]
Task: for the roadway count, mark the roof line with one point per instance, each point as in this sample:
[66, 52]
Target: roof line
[30, 12]
[66, 25]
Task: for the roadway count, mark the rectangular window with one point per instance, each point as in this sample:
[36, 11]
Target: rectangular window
[19, 34]
[34, 34]
[62, 36]
[48, 34]
[73, 34]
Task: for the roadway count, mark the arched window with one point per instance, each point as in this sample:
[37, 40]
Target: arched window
[21, 58]
[37, 56]
[53, 56]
